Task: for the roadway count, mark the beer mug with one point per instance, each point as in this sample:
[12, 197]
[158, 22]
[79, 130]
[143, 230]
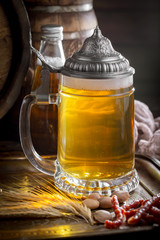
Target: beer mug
[95, 103]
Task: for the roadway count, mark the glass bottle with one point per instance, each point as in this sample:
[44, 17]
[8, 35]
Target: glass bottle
[44, 117]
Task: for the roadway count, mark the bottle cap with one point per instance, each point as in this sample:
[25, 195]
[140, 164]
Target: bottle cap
[52, 31]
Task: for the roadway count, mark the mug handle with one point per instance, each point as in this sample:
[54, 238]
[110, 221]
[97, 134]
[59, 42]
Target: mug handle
[44, 165]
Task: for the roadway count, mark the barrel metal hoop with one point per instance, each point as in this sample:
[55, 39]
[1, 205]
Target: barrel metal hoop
[79, 34]
[68, 35]
[62, 9]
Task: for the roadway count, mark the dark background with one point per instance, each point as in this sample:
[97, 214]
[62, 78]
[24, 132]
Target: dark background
[134, 30]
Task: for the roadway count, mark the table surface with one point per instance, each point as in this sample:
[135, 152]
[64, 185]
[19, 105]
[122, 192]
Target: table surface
[13, 165]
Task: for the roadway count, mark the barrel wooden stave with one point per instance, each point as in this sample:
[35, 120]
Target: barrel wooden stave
[74, 25]
[77, 18]
[71, 22]
[15, 52]
[6, 47]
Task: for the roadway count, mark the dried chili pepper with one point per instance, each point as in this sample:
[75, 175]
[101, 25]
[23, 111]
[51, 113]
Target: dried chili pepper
[157, 204]
[119, 213]
[155, 211]
[130, 213]
[132, 208]
[134, 204]
[140, 214]
[147, 218]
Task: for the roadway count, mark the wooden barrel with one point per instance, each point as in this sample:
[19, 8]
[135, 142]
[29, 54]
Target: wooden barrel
[15, 51]
[76, 16]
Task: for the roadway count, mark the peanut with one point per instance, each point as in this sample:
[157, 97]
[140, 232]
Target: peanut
[121, 195]
[91, 203]
[105, 202]
[95, 196]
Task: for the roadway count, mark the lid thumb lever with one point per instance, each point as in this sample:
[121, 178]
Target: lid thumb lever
[44, 62]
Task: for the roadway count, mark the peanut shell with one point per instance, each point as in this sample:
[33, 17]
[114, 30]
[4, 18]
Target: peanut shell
[102, 215]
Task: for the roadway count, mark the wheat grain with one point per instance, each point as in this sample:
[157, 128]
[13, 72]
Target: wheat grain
[46, 200]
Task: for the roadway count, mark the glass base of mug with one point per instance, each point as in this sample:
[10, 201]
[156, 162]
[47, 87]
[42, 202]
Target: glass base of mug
[82, 188]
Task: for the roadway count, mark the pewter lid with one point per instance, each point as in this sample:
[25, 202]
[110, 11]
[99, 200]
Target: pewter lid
[52, 31]
[97, 59]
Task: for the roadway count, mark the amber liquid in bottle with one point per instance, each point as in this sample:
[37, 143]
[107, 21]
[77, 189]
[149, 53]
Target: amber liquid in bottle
[44, 118]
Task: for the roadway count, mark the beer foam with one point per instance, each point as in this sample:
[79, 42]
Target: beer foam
[53, 61]
[97, 84]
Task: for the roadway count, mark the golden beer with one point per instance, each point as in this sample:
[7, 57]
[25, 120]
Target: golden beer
[96, 132]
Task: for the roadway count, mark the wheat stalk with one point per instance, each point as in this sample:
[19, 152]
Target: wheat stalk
[25, 212]
[46, 200]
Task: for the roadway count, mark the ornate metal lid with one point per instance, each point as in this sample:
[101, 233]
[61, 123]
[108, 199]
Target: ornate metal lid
[97, 59]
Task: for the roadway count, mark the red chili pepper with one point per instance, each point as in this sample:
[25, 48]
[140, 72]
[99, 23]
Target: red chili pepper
[155, 211]
[119, 213]
[130, 213]
[143, 209]
[134, 204]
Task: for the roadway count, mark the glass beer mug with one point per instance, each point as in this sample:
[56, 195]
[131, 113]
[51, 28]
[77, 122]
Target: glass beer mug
[95, 102]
